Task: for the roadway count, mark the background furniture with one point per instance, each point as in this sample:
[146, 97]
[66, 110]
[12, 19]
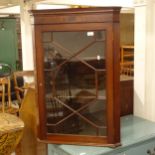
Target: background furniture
[11, 131]
[127, 53]
[29, 114]
[5, 82]
[5, 89]
[134, 141]
[22, 80]
[126, 96]
[67, 41]
[127, 68]
[126, 80]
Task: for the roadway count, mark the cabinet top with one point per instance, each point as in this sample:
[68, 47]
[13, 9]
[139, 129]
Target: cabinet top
[76, 15]
[75, 10]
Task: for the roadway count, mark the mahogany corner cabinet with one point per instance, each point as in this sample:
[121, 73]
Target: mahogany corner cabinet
[77, 75]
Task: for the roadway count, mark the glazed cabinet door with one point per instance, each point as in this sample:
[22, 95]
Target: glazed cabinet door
[75, 83]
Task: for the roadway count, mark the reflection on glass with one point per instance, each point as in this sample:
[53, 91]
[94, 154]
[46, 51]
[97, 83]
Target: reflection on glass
[75, 77]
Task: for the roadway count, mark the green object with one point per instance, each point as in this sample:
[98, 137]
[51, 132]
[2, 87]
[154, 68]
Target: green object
[8, 42]
[5, 70]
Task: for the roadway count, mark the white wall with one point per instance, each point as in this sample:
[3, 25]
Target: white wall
[150, 61]
[139, 61]
[11, 10]
[144, 84]
[26, 36]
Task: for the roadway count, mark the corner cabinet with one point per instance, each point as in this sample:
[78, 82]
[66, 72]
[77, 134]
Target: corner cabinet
[77, 75]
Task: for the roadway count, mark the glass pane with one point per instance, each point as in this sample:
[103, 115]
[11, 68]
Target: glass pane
[78, 40]
[94, 55]
[75, 82]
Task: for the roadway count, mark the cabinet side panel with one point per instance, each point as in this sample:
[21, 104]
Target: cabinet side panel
[40, 83]
[116, 79]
